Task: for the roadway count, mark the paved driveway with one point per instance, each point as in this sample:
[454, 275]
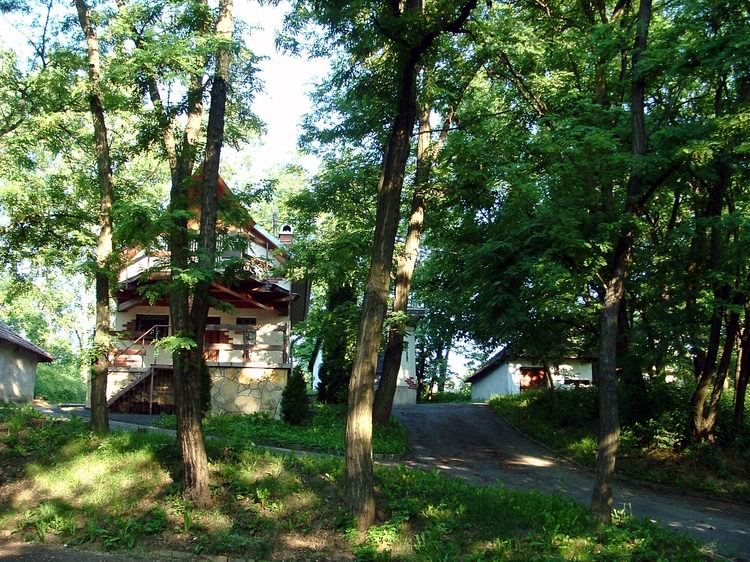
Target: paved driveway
[471, 441]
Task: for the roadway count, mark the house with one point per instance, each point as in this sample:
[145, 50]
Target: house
[505, 373]
[18, 361]
[406, 384]
[246, 344]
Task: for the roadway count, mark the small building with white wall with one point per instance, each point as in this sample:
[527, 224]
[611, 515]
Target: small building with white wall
[18, 361]
[505, 374]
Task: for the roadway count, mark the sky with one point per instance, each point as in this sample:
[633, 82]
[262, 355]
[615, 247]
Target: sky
[287, 79]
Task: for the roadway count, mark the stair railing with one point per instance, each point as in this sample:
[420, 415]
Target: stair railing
[140, 339]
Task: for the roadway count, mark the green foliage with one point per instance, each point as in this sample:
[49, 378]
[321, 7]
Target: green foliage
[295, 406]
[337, 337]
[59, 385]
[452, 397]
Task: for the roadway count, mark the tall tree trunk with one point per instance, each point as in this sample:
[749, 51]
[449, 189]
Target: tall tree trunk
[709, 423]
[181, 166]
[635, 396]
[99, 415]
[404, 274]
[358, 475]
[443, 369]
[744, 374]
[359, 487]
[699, 429]
[426, 154]
[179, 240]
[189, 403]
[609, 426]
[421, 364]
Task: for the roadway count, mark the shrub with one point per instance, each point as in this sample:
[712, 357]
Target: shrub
[59, 384]
[295, 408]
[452, 397]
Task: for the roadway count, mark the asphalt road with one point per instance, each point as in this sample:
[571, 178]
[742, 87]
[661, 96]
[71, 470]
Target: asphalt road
[472, 442]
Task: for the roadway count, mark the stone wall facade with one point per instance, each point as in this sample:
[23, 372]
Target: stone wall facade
[246, 390]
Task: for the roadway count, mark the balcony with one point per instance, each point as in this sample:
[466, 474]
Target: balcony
[224, 344]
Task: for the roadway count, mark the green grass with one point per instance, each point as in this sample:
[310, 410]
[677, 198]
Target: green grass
[654, 450]
[325, 432]
[119, 492]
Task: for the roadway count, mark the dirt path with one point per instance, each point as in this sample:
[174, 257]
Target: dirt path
[471, 441]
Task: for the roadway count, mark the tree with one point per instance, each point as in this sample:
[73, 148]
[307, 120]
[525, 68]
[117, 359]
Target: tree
[336, 339]
[407, 262]
[295, 408]
[359, 484]
[102, 345]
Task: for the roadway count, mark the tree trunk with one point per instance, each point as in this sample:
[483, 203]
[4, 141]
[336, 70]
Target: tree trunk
[699, 428]
[359, 487]
[609, 426]
[444, 368]
[635, 402]
[549, 383]
[190, 428]
[179, 251]
[102, 346]
[421, 363]
[358, 475]
[404, 274]
[744, 374]
[709, 424]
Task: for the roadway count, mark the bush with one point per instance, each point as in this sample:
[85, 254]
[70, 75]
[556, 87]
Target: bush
[59, 383]
[295, 408]
[451, 397]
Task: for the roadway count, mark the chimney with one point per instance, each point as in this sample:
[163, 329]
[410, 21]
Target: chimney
[285, 236]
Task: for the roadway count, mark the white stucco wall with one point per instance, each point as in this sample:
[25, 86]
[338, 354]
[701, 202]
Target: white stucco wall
[506, 379]
[494, 383]
[17, 373]
[406, 385]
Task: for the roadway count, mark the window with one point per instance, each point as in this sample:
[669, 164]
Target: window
[246, 321]
[155, 324]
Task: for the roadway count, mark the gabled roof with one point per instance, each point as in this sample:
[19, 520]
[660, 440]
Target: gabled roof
[9, 336]
[490, 365]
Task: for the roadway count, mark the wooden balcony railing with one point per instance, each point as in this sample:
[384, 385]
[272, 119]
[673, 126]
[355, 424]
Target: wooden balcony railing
[126, 356]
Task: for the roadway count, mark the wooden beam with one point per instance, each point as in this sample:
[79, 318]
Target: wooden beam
[127, 305]
[259, 347]
[245, 298]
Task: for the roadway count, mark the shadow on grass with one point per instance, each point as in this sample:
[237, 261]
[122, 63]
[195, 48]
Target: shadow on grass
[119, 492]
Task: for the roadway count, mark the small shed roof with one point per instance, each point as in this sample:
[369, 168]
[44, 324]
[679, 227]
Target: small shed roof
[9, 336]
[490, 365]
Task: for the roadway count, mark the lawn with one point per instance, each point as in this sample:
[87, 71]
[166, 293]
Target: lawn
[324, 432]
[654, 450]
[119, 492]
